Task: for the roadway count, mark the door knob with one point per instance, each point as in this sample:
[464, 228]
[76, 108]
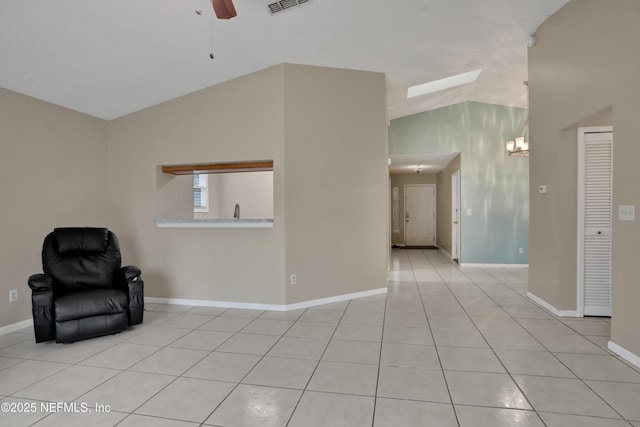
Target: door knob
[599, 232]
[455, 222]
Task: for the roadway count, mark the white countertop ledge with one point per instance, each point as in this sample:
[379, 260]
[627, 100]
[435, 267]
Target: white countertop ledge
[213, 223]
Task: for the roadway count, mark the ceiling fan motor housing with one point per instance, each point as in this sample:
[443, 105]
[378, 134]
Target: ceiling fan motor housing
[224, 9]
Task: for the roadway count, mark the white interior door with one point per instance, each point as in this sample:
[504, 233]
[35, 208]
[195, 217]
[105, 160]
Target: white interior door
[420, 213]
[595, 147]
[455, 216]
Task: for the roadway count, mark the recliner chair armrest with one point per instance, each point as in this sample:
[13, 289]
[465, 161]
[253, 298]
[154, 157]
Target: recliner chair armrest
[42, 307]
[40, 282]
[131, 273]
[135, 288]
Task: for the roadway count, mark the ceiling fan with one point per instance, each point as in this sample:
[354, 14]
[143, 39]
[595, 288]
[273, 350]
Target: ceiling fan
[224, 9]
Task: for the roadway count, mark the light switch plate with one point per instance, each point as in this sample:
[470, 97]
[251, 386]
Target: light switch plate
[542, 189]
[469, 212]
[626, 212]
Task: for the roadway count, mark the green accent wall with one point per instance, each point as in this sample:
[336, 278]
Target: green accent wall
[494, 186]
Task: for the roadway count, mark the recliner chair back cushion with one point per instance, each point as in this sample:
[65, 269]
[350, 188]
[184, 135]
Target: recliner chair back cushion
[81, 258]
[81, 241]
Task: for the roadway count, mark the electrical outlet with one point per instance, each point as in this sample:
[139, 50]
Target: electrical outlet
[521, 251]
[13, 295]
[294, 279]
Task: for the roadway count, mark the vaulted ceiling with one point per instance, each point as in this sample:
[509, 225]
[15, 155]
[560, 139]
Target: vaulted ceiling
[112, 57]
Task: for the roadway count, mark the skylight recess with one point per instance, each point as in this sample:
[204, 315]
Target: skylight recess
[442, 84]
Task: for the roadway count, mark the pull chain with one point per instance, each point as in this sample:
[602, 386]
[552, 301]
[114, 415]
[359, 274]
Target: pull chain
[211, 54]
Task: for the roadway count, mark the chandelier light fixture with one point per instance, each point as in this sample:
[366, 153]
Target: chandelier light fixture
[520, 146]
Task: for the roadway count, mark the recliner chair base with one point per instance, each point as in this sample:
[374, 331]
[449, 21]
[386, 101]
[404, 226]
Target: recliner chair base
[90, 327]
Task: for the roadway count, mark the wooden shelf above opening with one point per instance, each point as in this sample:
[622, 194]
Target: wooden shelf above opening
[202, 168]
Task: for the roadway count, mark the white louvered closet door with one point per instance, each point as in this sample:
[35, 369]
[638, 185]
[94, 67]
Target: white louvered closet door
[597, 180]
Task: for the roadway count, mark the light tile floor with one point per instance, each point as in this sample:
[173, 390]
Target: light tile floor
[447, 346]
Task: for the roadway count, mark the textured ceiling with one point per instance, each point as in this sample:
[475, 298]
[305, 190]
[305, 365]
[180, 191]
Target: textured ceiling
[112, 57]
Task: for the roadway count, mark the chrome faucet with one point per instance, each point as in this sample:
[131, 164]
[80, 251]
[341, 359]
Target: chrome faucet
[236, 211]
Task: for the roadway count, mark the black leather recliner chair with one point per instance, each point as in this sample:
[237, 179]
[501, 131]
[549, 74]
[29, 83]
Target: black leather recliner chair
[84, 292]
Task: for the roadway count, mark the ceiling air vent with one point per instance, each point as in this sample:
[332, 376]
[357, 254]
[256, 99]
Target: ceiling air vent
[282, 5]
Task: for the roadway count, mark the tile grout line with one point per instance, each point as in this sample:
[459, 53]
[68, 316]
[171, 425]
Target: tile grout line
[483, 337]
[175, 376]
[254, 366]
[316, 367]
[446, 381]
[375, 397]
[560, 361]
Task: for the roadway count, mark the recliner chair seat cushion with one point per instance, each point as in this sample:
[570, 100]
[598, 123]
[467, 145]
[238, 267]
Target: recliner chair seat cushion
[87, 303]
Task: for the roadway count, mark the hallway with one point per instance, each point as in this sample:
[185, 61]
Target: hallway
[497, 349]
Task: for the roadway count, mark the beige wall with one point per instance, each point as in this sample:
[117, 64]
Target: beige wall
[335, 181]
[53, 173]
[325, 131]
[444, 204]
[400, 180]
[329, 202]
[211, 125]
[583, 71]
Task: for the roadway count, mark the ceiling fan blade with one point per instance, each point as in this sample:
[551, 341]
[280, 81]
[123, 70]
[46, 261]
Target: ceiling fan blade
[224, 9]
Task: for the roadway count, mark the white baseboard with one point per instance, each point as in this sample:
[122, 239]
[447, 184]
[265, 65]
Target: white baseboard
[271, 307]
[210, 303]
[632, 358]
[466, 264]
[559, 313]
[338, 298]
[445, 253]
[16, 326]
[227, 304]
